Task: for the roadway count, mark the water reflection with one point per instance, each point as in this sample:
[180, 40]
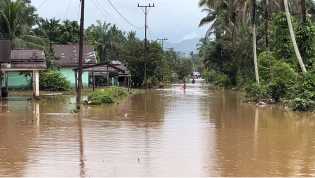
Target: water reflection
[171, 132]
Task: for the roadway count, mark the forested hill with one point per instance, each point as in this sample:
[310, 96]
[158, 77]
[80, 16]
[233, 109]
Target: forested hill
[185, 46]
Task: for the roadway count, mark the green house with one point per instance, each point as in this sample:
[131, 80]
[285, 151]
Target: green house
[67, 59]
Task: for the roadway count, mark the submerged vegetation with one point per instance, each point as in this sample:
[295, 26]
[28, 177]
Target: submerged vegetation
[106, 96]
[261, 47]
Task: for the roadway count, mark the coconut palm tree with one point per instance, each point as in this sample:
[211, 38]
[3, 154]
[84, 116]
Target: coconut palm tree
[293, 38]
[16, 20]
[303, 10]
[229, 11]
[255, 40]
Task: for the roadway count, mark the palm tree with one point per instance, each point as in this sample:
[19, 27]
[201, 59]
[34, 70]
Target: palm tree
[303, 10]
[222, 17]
[69, 32]
[98, 37]
[255, 40]
[292, 35]
[48, 29]
[16, 21]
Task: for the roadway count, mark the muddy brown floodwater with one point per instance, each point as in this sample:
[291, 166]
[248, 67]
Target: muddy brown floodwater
[199, 132]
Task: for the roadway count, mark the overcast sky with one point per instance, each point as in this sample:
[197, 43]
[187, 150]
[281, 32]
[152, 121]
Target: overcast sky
[173, 19]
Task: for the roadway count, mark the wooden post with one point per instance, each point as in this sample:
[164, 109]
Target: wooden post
[1, 83]
[81, 53]
[93, 78]
[7, 81]
[36, 83]
[76, 80]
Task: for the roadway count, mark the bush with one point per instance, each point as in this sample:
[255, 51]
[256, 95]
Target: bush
[277, 76]
[303, 93]
[218, 79]
[257, 92]
[53, 80]
[303, 104]
[266, 60]
[106, 96]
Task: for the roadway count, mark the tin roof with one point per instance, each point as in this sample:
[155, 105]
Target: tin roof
[27, 54]
[27, 59]
[68, 55]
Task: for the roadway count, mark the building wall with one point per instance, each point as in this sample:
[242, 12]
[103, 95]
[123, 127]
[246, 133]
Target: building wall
[17, 81]
[68, 73]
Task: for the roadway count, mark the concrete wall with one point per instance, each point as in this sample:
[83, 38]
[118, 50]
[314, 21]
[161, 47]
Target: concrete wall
[18, 81]
[69, 74]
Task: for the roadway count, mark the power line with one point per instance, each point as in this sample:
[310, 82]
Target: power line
[121, 15]
[102, 8]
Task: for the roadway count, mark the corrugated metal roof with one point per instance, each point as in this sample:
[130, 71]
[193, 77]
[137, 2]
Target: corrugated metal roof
[68, 55]
[28, 59]
[27, 54]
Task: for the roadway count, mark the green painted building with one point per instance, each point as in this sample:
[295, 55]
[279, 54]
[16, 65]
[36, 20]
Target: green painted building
[67, 59]
[68, 73]
[18, 80]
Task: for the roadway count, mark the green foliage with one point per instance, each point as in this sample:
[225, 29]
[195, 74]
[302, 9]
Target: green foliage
[277, 77]
[303, 93]
[217, 79]
[305, 35]
[55, 31]
[106, 96]
[53, 80]
[257, 92]
[281, 41]
[303, 104]
[266, 60]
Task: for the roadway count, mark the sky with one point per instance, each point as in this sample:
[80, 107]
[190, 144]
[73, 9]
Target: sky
[176, 20]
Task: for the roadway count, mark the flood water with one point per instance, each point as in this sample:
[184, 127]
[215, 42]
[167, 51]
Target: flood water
[199, 132]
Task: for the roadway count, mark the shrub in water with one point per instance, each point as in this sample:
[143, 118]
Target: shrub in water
[106, 96]
[217, 78]
[303, 93]
[257, 92]
[53, 80]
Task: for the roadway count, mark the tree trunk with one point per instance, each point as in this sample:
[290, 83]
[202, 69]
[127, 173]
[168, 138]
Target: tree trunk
[292, 34]
[267, 23]
[303, 10]
[255, 42]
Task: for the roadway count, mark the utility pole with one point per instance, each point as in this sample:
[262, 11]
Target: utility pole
[162, 41]
[79, 86]
[145, 38]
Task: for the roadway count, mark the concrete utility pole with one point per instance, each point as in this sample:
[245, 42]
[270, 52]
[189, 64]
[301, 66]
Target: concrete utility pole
[162, 41]
[79, 86]
[145, 38]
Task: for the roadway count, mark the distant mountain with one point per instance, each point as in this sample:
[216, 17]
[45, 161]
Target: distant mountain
[185, 46]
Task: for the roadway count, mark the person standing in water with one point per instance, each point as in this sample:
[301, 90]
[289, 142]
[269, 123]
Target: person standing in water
[184, 87]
